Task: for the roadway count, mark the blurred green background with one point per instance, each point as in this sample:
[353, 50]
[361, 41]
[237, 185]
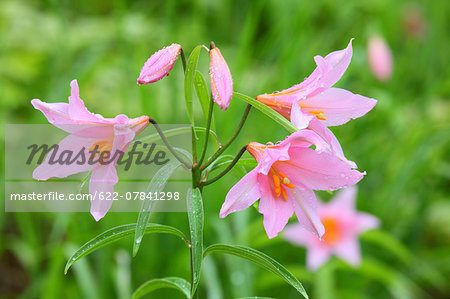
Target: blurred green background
[403, 144]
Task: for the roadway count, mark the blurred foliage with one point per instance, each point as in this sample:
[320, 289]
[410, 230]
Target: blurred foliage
[403, 144]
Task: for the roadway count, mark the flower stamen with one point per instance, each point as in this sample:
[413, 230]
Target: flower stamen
[100, 147]
[319, 114]
[280, 180]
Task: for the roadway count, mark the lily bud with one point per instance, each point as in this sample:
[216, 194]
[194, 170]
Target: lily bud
[380, 58]
[221, 81]
[159, 64]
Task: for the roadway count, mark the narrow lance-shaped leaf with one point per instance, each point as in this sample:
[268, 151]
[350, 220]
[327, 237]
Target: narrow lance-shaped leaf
[118, 233]
[168, 282]
[157, 184]
[202, 93]
[195, 215]
[189, 82]
[260, 259]
[267, 111]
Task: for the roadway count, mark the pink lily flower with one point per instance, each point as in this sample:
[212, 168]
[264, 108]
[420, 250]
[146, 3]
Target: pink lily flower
[221, 81]
[87, 132]
[159, 64]
[343, 224]
[316, 105]
[284, 178]
[316, 98]
[380, 58]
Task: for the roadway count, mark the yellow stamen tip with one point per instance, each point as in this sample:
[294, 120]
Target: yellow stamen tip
[319, 114]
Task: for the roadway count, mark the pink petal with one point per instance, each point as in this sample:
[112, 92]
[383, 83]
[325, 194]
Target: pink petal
[328, 71]
[318, 127]
[334, 65]
[70, 143]
[344, 200]
[348, 250]
[367, 222]
[296, 234]
[71, 117]
[242, 195]
[276, 210]
[57, 114]
[273, 154]
[339, 105]
[77, 110]
[123, 135]
[317, 256]
[305, 138]
[159, 64]
[299, 118]
[139, 124]
[221, 81]
[318, 170]
[102, 183]
[305, 207]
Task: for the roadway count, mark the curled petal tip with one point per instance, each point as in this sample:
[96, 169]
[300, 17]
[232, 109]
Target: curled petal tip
[159, 64]
[221, 81]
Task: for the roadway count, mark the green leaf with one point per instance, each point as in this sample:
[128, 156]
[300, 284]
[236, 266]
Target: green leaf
[157, 184]
[260, 259]
[118, 233]
[267, 111]
[189, 81]
[202, 92]
[86, 278]
[195, 215]
[204, 97]
[158, 283]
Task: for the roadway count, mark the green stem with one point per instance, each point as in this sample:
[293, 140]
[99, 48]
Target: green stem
[229, 141]
[196, 175]
[194, 148]
[183, 60]
[208, 127]
[227, 169]
[169, 146]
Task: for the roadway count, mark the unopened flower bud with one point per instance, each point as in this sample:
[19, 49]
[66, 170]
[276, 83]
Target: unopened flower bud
[380, 58]
[159, 64]
[221, 81]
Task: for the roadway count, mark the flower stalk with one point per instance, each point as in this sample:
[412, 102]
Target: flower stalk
[168, 145]
[183, 59]
[229, 141]
[227, 169]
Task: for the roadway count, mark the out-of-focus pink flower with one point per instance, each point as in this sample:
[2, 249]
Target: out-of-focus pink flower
[343, 224]
[284, 178]
[159, 64]
[380, 58]
[88, 132]
[221, 81]
[315, 98]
